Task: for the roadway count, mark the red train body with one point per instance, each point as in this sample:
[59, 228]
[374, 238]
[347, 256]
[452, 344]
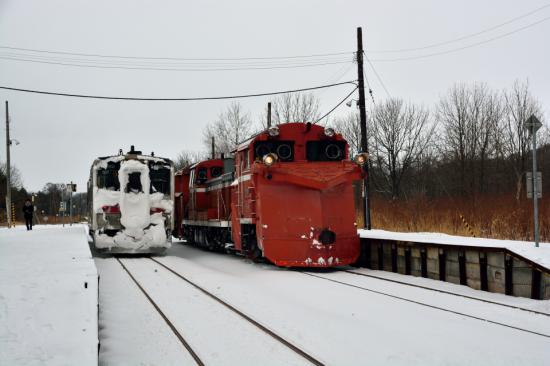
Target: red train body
[286, 196]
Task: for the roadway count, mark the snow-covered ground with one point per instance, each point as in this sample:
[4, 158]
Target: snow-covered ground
[540, 255]
[337, 317]
[348, 320]
[48, 297]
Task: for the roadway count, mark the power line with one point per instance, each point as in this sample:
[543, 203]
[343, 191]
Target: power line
[454, 40]
[313, 64]
[337, 105]
[201, 64]
[368, 85]
[378, 77]
[172, 58]
[175, 99]
[464, 47]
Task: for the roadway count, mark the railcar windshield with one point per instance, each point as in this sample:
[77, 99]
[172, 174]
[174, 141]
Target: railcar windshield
[325, 150]
[107, 178]
[160, 178]
[202, 175]
[283, 149]
[134, 183]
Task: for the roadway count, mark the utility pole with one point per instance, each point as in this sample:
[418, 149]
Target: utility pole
[8, 168]
[268, 114]
[363, 124]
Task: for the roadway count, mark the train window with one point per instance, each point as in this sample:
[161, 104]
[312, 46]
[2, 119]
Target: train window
[134, 183]
[160, 178]
[202, 175]
[246, 159]
[325, 150]
[107, 178]
[283, 149]
[216, 171]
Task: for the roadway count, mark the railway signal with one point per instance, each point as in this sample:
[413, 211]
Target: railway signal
[532, 125]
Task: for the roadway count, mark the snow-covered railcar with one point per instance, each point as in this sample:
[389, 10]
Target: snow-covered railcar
[130, 203]
[288, 198]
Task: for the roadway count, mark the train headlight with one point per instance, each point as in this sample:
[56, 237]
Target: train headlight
[329, 132]
[273, 131]
[361, 159]
[270, 159]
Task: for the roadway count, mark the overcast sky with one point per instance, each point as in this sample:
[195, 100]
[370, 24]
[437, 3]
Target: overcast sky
[61, 136]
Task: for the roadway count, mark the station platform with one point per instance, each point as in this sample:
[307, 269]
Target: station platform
[48, 297]
[503, 266]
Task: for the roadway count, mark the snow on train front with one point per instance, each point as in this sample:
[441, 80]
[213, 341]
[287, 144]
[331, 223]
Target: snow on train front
[130, 202]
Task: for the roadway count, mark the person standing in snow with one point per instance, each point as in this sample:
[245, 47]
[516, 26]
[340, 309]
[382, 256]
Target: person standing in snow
[28, 211]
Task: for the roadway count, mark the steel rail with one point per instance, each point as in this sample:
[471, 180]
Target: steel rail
[161, 313]
[427, 305]
[448, 293]
[258, 325]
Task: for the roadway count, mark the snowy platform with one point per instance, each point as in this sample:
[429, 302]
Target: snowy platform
[524, 249]
[48, 297]
[503, 266]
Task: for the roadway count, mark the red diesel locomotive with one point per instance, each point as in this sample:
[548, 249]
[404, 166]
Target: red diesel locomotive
[286, 196]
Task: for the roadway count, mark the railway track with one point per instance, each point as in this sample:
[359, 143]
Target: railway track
[448, 292]
[363, 288]
[217, 299]
[180, 337]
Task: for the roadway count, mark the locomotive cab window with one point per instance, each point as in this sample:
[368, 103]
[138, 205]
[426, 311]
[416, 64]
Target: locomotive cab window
[325, 150]
[283, 149]
[202, 175]
[160, 178]
[107, 178]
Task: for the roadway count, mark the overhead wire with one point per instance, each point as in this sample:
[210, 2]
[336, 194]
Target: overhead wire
[120, 62]
[137, 67]
[176, 99]
[378, 77]
[337, 105]
[471, 35]
[463, 47]
[174, 58]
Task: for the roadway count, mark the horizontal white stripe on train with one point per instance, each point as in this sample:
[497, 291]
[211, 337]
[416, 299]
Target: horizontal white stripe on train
[213, 223]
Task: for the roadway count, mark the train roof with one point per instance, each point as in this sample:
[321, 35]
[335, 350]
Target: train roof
[131, 155]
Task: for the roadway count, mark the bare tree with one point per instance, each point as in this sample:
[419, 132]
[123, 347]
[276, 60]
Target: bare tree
[519, 105]
[15, 177]
[470, 117]
[232, 126]
[401, 134]
[349, 127]
[294, 107]
[186, 158]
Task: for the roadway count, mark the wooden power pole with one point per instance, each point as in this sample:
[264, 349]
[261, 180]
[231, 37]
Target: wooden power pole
[363, 124]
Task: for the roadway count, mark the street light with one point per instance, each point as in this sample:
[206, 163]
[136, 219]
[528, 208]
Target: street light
[351, 101]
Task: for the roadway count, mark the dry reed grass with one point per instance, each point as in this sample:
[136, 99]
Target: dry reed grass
[501, 217]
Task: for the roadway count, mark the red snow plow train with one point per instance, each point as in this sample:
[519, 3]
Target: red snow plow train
[286, 195]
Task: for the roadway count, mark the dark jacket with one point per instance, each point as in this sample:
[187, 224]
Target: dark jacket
[28, 210]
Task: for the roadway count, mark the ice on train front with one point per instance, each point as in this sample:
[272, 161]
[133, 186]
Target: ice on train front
[130, 201]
